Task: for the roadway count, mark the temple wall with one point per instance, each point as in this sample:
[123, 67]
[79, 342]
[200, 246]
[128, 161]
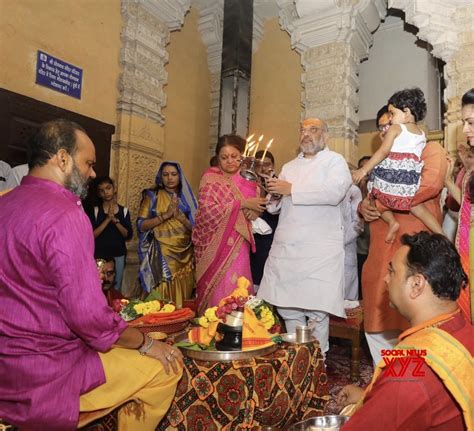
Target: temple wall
[275, 95]
[68, 30]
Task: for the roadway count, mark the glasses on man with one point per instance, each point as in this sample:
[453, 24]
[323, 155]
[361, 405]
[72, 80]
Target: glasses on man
[311, 130]
[383, 127]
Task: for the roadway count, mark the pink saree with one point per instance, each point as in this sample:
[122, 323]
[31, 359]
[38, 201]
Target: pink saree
[222, 236]
[464, 242]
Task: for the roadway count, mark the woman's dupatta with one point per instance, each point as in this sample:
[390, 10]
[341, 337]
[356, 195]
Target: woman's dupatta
[464, 245]
[220, 230]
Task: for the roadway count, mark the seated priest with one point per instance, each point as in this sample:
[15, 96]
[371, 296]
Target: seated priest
[426, 381]
[106, 267]
[65, 357]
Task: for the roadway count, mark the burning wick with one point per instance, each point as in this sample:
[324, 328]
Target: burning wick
[266, 149]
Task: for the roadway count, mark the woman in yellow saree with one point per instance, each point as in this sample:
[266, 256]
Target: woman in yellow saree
[165, 222]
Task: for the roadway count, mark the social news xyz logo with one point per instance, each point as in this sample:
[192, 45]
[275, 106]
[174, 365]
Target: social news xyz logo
[398, 361]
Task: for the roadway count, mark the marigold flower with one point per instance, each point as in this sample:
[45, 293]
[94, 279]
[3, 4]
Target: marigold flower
[168, 308]
[210, 314]
[203, 322]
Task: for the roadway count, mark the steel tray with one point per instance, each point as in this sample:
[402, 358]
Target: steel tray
[217, 355]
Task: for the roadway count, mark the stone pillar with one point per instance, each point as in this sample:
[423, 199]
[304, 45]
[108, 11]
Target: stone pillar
[459, 76]
[332, 37]
[448, 25]
[211, 20]
[137, 147]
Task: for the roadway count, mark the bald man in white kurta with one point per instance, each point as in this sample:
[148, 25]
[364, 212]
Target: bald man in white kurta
[304, 273]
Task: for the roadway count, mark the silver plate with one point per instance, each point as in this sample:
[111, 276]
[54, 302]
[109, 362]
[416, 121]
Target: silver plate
[291, 338]
[217, 355]
[321, 423]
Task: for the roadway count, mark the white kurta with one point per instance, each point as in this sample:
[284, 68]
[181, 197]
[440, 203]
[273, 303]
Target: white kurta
[305, 267]
[353, 227]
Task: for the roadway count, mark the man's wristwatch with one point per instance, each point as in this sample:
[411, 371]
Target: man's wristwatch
[146, 345]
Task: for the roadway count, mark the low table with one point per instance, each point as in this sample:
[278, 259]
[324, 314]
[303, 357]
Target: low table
[278, 389]
[351, 328]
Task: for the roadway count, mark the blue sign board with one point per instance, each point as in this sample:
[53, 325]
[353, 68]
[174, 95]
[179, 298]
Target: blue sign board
[58, 75]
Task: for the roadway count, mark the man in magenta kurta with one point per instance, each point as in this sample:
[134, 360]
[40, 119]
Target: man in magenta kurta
[54, 317]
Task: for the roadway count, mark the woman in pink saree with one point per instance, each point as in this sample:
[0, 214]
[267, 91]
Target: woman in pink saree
[222, 234]
[464, 197]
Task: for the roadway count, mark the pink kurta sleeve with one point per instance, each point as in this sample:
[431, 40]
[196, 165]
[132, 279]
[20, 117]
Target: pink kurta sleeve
[82, 304]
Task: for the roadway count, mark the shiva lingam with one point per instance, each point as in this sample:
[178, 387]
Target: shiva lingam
[231, 332]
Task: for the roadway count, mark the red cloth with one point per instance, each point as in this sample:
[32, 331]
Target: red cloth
[113, 296]
[414, 403]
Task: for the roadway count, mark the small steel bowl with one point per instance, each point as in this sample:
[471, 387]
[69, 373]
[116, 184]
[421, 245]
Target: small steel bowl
[321, 423]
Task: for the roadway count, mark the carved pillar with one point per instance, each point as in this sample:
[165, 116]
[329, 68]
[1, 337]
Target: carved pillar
[138, 143]
[211, 17]
[448, 25]
[459, 76]
[137, 147]
[332, 36]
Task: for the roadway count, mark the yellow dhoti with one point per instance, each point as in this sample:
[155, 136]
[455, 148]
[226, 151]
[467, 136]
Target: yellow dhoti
[130, 377]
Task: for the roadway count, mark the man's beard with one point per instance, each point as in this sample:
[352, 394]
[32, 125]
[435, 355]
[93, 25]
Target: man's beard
[311, 148]
[76, 183]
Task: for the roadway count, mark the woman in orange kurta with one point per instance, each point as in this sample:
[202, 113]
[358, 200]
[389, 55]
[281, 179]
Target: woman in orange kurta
[378, 315]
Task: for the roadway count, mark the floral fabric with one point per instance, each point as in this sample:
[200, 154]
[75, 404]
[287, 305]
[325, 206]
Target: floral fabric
[281, 388]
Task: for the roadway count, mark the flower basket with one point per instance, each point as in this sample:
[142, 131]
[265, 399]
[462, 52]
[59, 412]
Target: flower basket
[155, 315]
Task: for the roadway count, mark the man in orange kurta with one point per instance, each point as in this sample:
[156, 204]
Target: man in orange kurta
[380, 320]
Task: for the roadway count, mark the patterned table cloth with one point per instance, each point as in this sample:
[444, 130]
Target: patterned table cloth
[278, 389]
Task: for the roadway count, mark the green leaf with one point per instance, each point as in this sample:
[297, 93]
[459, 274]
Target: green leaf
[153, 296]
[193, 346]
[277, 339]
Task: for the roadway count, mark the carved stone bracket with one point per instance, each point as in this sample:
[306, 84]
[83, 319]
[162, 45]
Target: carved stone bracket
[171, 12]
[436, 21]
[332, 36]
[311, 23]
[448, 25]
